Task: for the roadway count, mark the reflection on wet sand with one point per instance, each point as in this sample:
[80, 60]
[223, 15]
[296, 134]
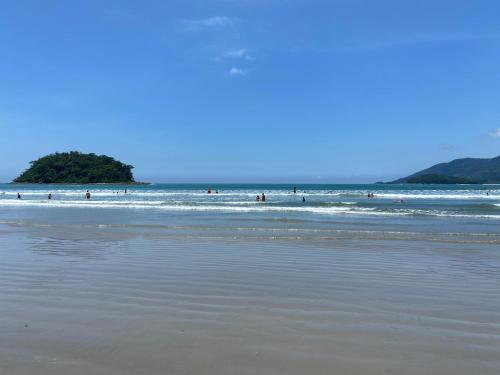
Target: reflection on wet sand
[120, 301]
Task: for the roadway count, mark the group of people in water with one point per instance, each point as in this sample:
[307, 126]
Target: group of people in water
[87, 195]
[258, 198]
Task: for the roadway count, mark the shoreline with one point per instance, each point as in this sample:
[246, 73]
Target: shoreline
[164, 303]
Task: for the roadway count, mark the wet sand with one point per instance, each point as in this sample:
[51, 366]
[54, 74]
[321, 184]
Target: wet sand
[99, 301]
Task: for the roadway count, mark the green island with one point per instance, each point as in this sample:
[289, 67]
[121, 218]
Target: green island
[458, 171]
[77, 168]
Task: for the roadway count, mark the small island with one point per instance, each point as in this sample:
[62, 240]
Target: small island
[77, 168]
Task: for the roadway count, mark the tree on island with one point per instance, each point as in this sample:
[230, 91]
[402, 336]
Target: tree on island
[76, 168]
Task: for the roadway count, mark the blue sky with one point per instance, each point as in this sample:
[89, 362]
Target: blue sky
[338, 90]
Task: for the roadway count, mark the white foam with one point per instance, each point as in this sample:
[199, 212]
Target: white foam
[442, 196]
[256, 207]
[399, 194]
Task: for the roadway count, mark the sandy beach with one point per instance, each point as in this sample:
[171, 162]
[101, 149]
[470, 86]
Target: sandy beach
[89, 291]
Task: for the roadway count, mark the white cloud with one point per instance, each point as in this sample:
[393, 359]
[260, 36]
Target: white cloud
[233, 72]
[217, 22]
[241, 53]
[495, 133]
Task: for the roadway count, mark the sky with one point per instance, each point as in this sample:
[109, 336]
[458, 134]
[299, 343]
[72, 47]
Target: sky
[251, 90]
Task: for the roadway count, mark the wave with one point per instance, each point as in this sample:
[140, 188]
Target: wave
[435, 196]
[396, 195]
[255, 208]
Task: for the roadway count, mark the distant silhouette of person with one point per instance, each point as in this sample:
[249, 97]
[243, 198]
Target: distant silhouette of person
[295, 189]
[18, 196]
[49, 196]
[87, 195]
[303, 199]
[257, 198]
[263, 197]
[209, 191]
[217, 191]
[125, 191]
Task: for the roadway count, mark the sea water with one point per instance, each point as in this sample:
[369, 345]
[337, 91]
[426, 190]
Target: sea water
[167, 279]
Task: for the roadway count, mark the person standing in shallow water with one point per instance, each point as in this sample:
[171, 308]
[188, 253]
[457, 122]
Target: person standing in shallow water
[87, 195]
[18, 196]
[303, 199]
[295, 189]
[263, 199]
[49, 197]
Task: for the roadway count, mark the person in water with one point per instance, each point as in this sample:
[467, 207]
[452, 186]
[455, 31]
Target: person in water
[295, 189]
[257, 198]
[18, 196]
[263, 197]
[209, 191]
[49, 196]
[303, 199]
[87, 195]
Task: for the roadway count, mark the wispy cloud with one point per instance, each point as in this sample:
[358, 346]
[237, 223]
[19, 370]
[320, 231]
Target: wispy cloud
[241, 53]
[447, 147]
[234, 72]
[495, 133]
[216, 22]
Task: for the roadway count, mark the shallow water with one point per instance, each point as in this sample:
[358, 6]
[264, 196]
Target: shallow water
[457, 201]
[114, 290]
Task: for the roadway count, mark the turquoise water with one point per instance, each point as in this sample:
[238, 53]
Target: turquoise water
[410, 212]
[458, 201]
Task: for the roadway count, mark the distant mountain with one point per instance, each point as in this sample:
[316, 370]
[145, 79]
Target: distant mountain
[76, 168]
[458, 171]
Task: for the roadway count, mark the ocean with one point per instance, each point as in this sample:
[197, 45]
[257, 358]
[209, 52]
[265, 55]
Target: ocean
[396, 211]
[166, 278]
